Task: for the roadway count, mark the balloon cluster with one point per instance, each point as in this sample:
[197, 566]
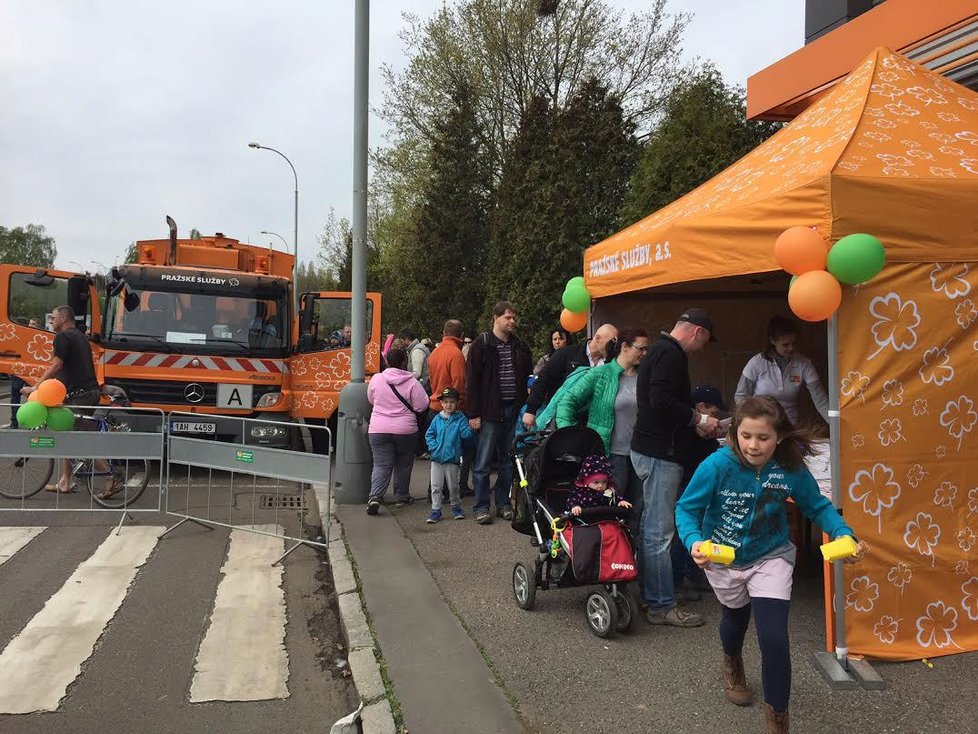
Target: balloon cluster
[815, 291]
[43, 408]
[576, 300]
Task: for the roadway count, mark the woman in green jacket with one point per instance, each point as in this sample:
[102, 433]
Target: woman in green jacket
[606, 393]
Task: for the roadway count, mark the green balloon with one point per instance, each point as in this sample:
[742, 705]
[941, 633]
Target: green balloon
[792, 281]
[576, 282]
[576, 299]
[31, 415]
[856, 258]
[61, 419]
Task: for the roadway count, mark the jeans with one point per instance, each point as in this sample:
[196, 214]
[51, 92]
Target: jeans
[444, 476]
[493, 441]
[660, 486]
[393, 453]
[16, 384]
[629, 488]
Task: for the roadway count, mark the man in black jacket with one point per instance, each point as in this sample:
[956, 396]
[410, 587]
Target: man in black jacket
[561, 364]
[665, 414]
[498, 367]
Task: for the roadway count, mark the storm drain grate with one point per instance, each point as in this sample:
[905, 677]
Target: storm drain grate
[281, 502]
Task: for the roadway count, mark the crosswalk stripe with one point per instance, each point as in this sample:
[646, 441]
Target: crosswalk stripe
[242, 657]
[40, 663]
[13, 539]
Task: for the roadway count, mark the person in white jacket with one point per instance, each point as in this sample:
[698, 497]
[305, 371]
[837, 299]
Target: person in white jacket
[781, 371]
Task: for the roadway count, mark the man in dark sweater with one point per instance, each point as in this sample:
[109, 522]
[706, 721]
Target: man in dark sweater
[665, 414]
[498, 366]
[561, 364]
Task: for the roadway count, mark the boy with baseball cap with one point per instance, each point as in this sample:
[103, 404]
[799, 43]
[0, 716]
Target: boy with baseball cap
[444, 437]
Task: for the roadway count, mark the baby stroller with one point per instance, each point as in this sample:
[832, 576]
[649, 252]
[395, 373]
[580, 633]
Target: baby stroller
[591, 548]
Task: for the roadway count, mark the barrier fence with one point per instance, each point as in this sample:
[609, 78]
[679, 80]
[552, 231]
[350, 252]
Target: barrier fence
[243, 485]
[108, 465]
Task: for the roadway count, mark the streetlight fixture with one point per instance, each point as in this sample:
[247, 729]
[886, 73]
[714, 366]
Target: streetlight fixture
[77, 264]
[295, 215]
[276, 234]
[101, 265]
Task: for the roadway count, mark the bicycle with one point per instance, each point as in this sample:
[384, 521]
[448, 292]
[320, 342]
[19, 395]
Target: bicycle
[118, 484]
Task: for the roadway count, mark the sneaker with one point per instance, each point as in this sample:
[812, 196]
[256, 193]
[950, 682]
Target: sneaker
[506, 513]
[483, 518]
[457, 513]
[675, 617]
[373, 507]
[434, 517]
[403, 501]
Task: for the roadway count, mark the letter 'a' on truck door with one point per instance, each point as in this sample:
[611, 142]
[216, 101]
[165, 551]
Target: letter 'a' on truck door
[28, 297]
[321, 366]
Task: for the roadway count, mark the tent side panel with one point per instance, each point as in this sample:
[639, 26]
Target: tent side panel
[908, 365]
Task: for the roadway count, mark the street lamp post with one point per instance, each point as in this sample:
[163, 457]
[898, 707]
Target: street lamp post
[276, 234]
[295, 215]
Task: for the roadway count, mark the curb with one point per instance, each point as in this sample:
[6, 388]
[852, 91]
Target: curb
[376, 717]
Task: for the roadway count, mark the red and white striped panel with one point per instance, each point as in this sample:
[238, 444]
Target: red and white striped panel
[195, 362]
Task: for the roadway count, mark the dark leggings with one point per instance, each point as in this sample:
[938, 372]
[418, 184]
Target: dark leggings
[771, 622]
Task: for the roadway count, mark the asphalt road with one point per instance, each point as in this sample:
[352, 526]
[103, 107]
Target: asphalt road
[138, 677]
[563, 679]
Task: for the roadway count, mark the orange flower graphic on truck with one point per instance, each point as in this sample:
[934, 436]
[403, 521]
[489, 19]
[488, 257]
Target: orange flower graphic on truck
[41, 347]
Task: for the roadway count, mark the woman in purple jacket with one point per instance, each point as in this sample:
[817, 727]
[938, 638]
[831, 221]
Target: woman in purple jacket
[397, 398]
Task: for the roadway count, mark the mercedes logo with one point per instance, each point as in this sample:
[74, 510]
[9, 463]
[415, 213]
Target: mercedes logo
[194, 392]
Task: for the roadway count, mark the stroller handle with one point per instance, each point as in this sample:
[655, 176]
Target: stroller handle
[523, 441]
[597, 514]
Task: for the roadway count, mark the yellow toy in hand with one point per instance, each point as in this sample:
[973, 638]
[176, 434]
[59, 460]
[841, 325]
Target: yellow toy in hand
[718, 553]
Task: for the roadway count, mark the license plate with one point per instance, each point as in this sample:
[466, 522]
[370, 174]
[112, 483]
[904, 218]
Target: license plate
[194, 427]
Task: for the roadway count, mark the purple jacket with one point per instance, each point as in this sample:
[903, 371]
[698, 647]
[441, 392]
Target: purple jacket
[389, 414]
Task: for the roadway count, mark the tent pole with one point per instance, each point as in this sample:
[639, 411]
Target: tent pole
[835, 447]
[841, 672]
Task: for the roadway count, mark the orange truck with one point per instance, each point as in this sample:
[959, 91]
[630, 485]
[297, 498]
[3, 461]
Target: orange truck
[205, 326]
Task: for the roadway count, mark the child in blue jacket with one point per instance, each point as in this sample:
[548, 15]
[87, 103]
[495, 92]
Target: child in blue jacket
[444, 438]
[737, 497]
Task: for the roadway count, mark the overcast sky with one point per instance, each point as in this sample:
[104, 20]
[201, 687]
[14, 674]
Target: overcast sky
[118, 112]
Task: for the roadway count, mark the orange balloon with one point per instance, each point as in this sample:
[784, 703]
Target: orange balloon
[573, 321]
[800, 250]
[34, 397]
[51, 393]
[815, 295]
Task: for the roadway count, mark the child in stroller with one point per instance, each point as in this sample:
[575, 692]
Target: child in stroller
[594, 487]
[590, 548]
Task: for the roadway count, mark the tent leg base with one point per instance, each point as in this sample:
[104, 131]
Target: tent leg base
[864, 674]
[834, 673]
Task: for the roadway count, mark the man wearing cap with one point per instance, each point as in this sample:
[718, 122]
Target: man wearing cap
[666, 416]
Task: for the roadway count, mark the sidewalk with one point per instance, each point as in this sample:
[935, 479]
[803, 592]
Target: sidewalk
[439, 675]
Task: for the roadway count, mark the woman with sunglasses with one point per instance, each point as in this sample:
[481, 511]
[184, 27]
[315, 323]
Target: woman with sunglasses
[606, 394]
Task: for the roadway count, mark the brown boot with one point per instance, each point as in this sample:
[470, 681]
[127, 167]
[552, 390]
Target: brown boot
[735, 682]
[775, 722]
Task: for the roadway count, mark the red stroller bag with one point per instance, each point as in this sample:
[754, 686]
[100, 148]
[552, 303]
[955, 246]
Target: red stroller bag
[601, 553]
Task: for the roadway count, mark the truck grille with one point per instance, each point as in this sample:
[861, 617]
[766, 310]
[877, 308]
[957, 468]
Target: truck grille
[170, 392]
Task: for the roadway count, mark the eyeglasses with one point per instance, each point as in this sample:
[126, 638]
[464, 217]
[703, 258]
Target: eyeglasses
[641, 349]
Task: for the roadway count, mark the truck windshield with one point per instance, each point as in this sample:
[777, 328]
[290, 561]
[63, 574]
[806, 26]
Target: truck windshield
[148, 320]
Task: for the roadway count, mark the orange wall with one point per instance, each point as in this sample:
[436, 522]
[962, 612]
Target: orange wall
[783, 89]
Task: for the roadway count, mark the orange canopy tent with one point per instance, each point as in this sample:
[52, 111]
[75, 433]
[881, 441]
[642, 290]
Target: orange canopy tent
[891, 151]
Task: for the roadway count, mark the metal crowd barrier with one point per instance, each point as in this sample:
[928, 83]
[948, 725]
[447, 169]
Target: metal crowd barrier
[242, 485]
[110, 466]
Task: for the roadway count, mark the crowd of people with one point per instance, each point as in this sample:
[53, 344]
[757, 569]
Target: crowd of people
[669, 456]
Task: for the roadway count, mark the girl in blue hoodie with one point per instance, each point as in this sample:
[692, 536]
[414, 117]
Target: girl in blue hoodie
[738, 497]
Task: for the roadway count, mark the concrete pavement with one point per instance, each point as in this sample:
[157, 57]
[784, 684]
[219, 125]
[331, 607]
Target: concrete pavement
[560, 678]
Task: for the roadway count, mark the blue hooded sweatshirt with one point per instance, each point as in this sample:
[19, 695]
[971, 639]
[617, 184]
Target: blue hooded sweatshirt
[444, 437]
[743, 507]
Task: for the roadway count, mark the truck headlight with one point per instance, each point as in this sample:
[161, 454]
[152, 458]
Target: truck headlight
[268, 399]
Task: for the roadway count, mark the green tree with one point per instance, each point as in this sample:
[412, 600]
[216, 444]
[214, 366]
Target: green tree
[704, 129]
[28, 245]
[132, 255]
[437, 262]
[195, 233]
[564, 181]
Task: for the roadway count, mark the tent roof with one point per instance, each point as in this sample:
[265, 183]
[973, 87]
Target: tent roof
[892, 150]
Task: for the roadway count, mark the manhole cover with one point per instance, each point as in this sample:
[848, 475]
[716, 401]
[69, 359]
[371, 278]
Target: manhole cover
[281, 502]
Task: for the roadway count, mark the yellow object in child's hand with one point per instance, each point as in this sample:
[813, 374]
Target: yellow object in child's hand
[838, 549]
[717, 553]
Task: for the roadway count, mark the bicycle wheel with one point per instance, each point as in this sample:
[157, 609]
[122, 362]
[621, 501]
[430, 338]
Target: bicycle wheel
[24, 477]
[121, 485]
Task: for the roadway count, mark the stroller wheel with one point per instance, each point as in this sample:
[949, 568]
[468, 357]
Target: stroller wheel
[627, 609]
[524, 586]
[602, 613]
